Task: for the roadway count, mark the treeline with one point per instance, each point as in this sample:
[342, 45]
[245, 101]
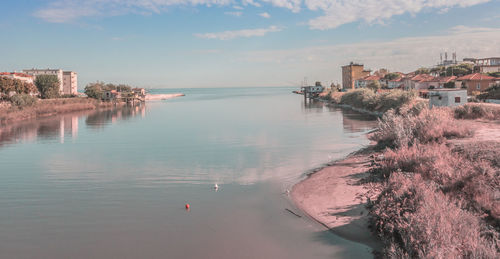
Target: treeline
[9, 85]
[96, 90]
[22, 94]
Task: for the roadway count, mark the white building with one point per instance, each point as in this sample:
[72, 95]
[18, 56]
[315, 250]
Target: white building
[20, 76]
[68, 81]
[447, 97]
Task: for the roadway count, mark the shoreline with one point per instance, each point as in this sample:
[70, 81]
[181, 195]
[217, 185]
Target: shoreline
[45, 108]
[333, 197]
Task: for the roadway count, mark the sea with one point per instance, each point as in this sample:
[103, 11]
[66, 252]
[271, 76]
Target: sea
[115, 183]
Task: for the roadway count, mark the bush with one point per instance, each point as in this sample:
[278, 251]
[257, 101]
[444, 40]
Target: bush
[433, 125]
[48, 86]
[380, 102]
[23, 100]
[477, 111]
[416, 220]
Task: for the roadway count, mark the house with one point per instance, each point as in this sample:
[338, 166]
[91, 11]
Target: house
[139, 91]
[363, 82]
[351, 73]
[110, 95]
[20, 76]
[447, 97]
[396, 83]
[439, 82]
[476, 82]
[418, 82]
[487, 65]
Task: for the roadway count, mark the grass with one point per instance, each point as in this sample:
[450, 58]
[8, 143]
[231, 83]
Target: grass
[436, 125]
[473, 111]
[437, 200]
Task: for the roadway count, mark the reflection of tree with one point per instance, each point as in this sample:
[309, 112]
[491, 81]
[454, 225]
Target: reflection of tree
[100, 119]
[312, 106]
[356, 122]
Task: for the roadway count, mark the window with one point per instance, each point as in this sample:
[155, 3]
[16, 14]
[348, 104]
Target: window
[457, 99]
[478, 86]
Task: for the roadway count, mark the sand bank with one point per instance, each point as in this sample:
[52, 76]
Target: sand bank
[334, 197]
[156, 97]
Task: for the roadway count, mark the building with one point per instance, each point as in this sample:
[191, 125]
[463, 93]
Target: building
[363, 82]
[20, 76]
[439, 82]
[396, 83]
[447, 97]
[71, 78]
[111, 95]
[351, 73]
[70, 82]
[476, 82]
[418, 82]
[487, 65]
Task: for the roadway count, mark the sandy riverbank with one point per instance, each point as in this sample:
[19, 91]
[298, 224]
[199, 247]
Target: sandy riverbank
[157, 97]
[334, 197]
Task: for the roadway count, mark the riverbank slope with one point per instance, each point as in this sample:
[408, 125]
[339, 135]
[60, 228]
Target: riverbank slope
[335, 197]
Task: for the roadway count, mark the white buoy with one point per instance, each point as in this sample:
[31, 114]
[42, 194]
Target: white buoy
[216, 187]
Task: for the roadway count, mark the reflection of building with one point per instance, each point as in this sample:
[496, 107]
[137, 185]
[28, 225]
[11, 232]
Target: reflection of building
[68, 82]
[68, 124]
[41, 129]
[351, 73]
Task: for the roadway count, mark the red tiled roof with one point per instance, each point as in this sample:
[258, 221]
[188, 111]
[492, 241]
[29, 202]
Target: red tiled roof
[444, 79]
[399, 79]
[371, 78]
[15, 73]
[422, 78]
[476, 76]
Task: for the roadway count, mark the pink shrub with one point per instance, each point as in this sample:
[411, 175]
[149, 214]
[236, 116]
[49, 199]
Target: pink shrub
[430, 125]
[416, 220]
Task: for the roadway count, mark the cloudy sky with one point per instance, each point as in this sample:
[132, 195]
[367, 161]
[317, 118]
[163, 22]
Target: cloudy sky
[224, 43]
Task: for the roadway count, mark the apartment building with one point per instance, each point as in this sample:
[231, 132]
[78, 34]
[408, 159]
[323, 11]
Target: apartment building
[68, 81]
[351, 73]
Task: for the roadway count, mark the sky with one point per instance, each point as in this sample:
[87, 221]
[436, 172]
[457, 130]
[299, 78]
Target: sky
[240, 43]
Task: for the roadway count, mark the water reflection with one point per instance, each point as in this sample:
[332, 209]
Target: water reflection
[312, 106]
[99, 120]
[64, 126]
[357, 122]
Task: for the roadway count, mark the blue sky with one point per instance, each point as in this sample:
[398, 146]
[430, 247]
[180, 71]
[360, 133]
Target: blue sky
[224, 43]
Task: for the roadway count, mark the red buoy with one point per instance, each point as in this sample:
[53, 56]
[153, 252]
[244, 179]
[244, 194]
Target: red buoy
[187, 206]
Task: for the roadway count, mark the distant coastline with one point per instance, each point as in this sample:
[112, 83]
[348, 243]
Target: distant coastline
[52, 107]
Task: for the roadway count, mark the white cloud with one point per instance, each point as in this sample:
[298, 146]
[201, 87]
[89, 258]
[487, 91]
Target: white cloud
[64, 11]
[404, 54]
[332, 13]
[229, 35]
[237, 14]
[339, 12]
[265, 15]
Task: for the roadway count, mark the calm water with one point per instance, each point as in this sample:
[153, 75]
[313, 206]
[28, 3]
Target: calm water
[113, 184]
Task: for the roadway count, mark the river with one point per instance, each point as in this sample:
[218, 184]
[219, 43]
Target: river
[113, 184]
